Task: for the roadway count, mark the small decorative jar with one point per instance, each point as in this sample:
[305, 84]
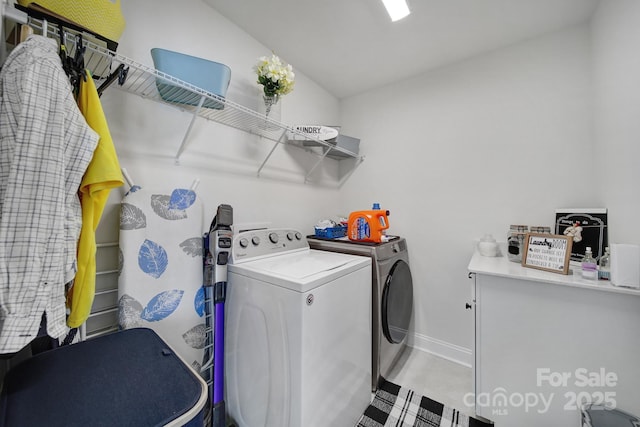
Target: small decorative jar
[487, 246]
[515, 242]
[540, 229]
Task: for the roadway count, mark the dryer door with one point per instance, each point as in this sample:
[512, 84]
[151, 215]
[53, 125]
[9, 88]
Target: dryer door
[397, 302]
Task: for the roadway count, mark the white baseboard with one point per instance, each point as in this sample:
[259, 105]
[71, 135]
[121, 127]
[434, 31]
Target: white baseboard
[455, 353]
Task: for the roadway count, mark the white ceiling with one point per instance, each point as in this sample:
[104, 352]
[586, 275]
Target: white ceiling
[351, 46]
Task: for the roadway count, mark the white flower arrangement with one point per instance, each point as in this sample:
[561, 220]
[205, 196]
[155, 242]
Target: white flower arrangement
[276, 77]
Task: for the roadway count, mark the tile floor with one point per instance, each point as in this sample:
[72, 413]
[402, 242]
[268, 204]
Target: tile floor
[434, 377]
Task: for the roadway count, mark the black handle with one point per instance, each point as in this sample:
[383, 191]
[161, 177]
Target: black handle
[468, 306]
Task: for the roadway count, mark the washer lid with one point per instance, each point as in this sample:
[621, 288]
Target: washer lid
[299, 267]
[303, 270]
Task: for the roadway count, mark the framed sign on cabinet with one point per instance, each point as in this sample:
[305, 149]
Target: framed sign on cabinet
[587, 226]
[549, 252]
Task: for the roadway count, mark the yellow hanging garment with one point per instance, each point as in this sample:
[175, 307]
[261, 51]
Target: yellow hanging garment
[101, 176]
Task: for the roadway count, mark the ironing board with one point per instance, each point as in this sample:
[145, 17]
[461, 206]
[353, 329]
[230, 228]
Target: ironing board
[160, 284]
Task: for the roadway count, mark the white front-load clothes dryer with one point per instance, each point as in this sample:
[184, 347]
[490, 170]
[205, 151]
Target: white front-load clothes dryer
[297, 333]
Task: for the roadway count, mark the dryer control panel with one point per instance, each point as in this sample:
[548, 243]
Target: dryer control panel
[253, 244]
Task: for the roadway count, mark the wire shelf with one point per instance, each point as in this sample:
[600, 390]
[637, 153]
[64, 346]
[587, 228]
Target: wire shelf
[106, 66]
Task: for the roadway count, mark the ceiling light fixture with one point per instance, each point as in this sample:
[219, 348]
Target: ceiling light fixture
[397, 9]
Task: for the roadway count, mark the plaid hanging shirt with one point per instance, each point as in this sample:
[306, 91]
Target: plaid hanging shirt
[45, 147]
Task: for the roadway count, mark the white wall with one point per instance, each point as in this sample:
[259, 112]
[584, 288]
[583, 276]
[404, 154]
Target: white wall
[446, 151]
[468, 149]
[616, 37]
[147, 134]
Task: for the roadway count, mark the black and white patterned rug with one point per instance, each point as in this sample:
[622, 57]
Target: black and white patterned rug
[401, 407]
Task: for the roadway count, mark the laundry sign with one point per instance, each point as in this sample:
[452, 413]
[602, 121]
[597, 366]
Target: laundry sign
[305, 132]
[549, 252]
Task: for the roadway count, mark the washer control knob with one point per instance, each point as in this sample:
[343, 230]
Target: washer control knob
[243, 243]
[290, 236]
[298, 235]
[273, 237]
[255, 240]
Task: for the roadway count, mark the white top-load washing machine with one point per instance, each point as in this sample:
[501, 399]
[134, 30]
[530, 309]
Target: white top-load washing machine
[297, 333]
[392, 287]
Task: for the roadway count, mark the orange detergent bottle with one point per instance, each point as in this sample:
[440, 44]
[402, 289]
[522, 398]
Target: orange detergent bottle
[368, 226]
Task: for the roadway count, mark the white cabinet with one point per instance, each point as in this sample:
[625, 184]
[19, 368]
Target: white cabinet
[545, 342]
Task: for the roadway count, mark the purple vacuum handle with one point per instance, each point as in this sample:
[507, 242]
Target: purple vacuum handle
[218, 373]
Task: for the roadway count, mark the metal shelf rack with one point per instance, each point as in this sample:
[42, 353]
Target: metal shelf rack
[106, 66]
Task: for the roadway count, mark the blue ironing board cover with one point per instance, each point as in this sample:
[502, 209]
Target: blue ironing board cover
[160, 282]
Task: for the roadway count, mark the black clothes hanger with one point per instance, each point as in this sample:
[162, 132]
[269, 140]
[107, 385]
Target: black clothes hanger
[78, 59]
[120, 74]
[73, 66]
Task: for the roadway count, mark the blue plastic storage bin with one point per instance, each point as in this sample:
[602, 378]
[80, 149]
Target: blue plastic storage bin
[210, 76]
[128, 378]
[332, 232]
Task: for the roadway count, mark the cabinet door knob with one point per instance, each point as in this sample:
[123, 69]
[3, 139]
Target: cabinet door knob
[467, 306]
